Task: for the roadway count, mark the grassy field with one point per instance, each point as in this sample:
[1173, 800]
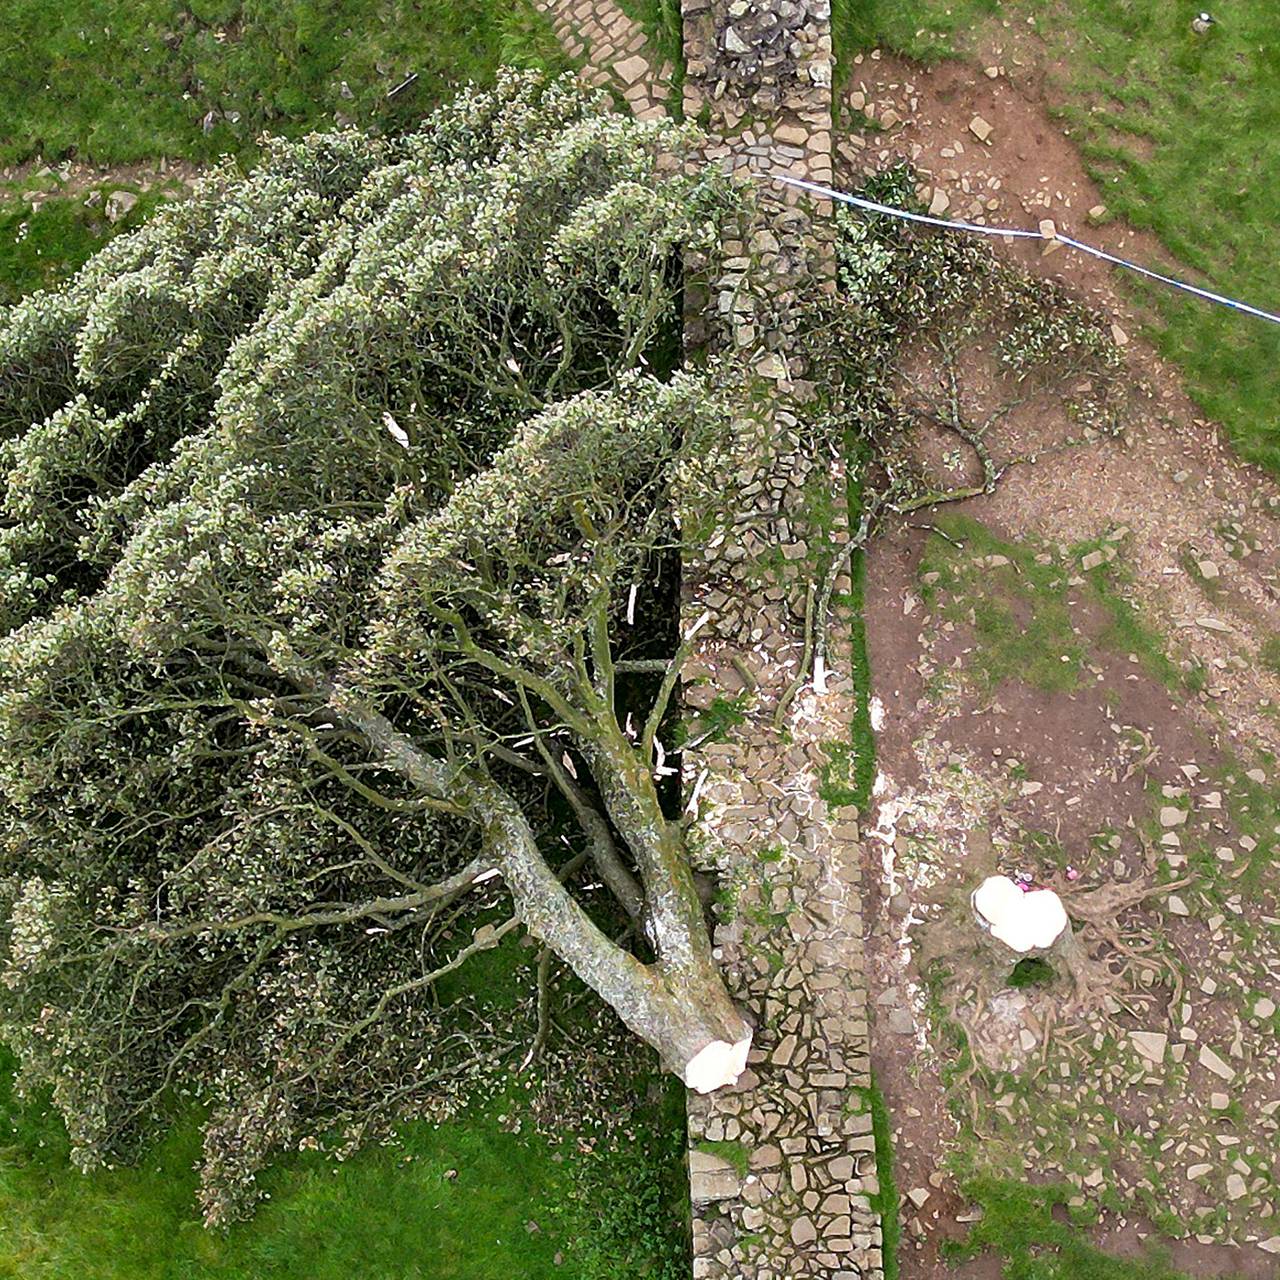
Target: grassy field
[483, 1197]
[113, 83]
[1182, 132]
[98, 83]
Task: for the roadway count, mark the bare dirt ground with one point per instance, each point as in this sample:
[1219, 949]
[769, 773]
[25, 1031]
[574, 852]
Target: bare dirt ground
[1082, 776]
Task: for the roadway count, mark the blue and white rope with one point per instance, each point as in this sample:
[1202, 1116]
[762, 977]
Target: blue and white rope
[950, 225]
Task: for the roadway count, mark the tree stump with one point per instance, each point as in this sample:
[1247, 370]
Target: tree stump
[1020, 924]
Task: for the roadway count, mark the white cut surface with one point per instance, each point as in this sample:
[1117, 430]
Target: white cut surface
[717, 1065]
[1022, 921]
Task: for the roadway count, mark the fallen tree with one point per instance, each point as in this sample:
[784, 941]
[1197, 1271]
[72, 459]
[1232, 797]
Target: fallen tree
[336, 509]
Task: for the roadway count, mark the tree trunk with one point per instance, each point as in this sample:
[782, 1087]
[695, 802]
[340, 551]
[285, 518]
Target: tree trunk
[680, 1004]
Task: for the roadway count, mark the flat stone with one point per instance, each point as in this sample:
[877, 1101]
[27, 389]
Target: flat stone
[901, 1022]
[1171, 816]
[631, 69]
[1237, 1188]
[940, 203]
[980, 128]
[1270, 1245]
[1211, 1061]
[803, 1232]
[1151, 1044]
[1264, 1007]
[1199, 1170]
[1207, 569]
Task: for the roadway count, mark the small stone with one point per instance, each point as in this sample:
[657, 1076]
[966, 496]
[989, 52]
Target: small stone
[1207, 568]
[1176, 906]
[1172, 816]
[979, 128]
[1048, 228]
[733, 42]
[1118, 336]
[940, 203]
[918, 1196]
[992, 73]
[118, 205]
[1098, 211]
[1199, 1170]
[1211, 624]
[1236, 1187]
[1219, 1102]
[1264, 1007]
[1270, 1245]
[1030, 788]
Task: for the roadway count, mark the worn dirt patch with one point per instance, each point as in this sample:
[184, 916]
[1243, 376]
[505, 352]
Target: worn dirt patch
[1177, 501]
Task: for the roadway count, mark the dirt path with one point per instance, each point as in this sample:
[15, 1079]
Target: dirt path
[1196, 548]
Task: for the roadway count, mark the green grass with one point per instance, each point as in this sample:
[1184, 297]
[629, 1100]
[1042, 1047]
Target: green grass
[1021, 610]
[923, 29]
[119, 84]
[115, 83]
[732, 1153]
[447, 1203]
[1269, 654]
[850, 769]
[1182, 133]
[885, 1201]
[1021, 1227]
[38, 249]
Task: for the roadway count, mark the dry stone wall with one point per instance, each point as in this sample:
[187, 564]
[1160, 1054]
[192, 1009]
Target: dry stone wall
[782, 1167]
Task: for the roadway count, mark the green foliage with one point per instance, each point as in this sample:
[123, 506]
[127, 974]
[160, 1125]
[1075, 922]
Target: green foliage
[1032, 972]
[1020, 1226]
[718, 721]
[360, 444]
[902, 285]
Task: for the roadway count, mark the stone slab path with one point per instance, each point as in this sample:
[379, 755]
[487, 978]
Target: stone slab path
[614, 52]
[783, 1166]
